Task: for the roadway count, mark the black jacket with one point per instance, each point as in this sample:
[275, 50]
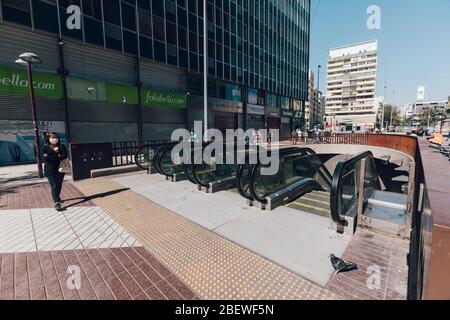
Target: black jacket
[53, 159]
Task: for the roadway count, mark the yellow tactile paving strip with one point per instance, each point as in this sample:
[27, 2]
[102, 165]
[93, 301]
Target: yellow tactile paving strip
[212, 266]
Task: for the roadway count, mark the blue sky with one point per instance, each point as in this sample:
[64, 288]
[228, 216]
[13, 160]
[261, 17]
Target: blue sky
[414, 42]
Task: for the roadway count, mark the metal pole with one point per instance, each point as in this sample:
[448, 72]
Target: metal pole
[318, 90]
[65, 96]
[360, 213]
[139, 105]
[205, 69]
[35, 123]
[392, 109]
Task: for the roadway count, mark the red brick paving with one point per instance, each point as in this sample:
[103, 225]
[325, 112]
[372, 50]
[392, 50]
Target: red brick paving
[106, 274]
[38, 195]
[366, 250]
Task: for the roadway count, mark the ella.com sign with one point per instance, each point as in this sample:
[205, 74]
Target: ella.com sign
[163, 99]
[15, 81]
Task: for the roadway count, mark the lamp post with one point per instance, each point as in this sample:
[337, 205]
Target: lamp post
[318, 89]
[28, 59]
[392, 109]
[205, 69]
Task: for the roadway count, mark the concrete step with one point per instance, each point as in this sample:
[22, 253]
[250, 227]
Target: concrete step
[114, 170]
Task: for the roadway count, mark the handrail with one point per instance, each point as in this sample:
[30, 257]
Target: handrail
[194, 168]
[155, 146]
[239, 185]
[283, 153]
[294, 191]
[158, 157]
[336, 186]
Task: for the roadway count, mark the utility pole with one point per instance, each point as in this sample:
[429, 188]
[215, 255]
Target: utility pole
[385, 97]
[429, 115]
[392, 108]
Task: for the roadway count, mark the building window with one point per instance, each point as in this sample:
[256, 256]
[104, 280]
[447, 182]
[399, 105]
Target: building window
[128, 17]
[111, 10]
[158, 28]
[17, 11]
[45, 16]
[171, 32]
[160, 51]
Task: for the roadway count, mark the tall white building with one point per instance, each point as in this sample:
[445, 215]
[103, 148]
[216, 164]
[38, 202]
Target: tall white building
[351, 87]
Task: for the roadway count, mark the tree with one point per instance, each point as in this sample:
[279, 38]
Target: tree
[396, 117]
[435, 116]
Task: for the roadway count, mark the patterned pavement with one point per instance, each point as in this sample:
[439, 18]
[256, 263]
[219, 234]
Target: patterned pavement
[44, 253]
[382, 268]
[120, 245]
[214, 267]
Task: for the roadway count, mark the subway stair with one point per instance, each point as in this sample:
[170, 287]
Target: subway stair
[316, 202]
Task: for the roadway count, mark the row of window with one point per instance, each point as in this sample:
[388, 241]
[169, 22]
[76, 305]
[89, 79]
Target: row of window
[263, 43]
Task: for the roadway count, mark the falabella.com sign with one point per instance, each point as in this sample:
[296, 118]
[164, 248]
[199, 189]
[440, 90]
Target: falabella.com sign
[163, 99]
[16, 81]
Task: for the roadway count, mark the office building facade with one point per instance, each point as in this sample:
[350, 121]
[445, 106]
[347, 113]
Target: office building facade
[142, 61]
[315, 106]
[351, 86]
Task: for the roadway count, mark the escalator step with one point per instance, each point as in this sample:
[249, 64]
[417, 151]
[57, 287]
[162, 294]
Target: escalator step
[320, 197]
[310, 209]
[317, 201]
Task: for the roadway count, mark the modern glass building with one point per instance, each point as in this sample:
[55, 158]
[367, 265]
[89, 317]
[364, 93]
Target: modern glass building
[144, 60]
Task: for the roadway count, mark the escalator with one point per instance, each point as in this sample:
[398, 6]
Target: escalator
[300, 172]
[145, 155]
[304, 183]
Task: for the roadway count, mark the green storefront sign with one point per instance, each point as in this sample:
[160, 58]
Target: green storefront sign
[15, 81]
[163, 99]
[81, 89]
[116, 93]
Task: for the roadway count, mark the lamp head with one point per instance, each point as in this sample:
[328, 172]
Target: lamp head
[90, 90]
[31, 58]
[21, 62]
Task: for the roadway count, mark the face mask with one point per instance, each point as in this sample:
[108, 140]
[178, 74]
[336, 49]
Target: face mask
[54, 141]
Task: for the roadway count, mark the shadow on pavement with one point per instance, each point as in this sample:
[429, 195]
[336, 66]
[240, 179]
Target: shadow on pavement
[93, 197]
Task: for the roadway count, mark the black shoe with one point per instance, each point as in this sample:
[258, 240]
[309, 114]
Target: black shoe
[58, 207]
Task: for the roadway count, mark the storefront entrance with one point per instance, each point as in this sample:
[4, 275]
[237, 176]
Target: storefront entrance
[273, 123]
[224, 120]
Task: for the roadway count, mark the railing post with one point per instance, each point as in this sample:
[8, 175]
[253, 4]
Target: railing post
[410, 201]
[362, 174]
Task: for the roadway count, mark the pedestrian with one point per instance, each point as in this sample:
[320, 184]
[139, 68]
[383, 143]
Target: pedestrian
[299, 135]
[448, 137]
[54, 153]
[294, 137]
[269, 137]
[194, 138]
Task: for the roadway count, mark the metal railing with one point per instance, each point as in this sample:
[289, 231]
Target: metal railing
[351, 179]
[123, 152]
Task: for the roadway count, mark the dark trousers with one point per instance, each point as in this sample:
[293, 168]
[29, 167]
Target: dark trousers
[56, 181]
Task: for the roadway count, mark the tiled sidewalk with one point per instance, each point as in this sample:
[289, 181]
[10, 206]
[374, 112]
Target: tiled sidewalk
[381, 260]
[213, 266]
[38, 195]
[40, 248]
[106, 274]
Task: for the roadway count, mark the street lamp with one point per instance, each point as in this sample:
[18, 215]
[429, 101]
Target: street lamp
[318, 87]
[28, 59]
[392, 109]
[205, 69]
